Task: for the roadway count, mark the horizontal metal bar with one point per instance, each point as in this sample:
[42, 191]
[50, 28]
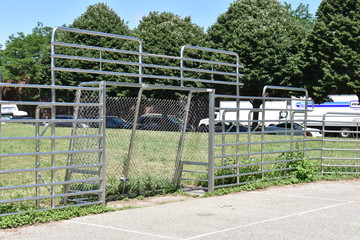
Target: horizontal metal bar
[50, 137]
[50, 184]
[144, 76]
[51, 196]
[188, 171]
[211, 50]
[342, 113]
[339, 158]
[265, 152]
[100, 34]
[268, 99]
[50, 153]
[267, 142]
[51, 168]
[57, 120]
[59, 87]
[356, 166]
[341, 149]
[49, 104]
[194, 163]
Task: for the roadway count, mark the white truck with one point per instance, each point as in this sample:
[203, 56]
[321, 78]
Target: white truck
[341, 115]
[11, 110]
[345, 117]
[275, 112]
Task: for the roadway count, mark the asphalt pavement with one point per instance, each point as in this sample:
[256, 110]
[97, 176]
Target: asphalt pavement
[321, 210]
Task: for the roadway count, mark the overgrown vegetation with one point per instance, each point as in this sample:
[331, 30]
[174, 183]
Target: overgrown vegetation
[31, 216]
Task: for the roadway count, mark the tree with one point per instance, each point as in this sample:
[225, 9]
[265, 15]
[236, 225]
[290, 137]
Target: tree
[20, 58]
[302, 14]
[100, 18]
[268, 40]
[333, 50]
[165, 33]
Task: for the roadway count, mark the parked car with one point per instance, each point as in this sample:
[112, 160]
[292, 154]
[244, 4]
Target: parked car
[297, 130]
[69, 124]
[161, 122]
[116, 122]
[226, 127]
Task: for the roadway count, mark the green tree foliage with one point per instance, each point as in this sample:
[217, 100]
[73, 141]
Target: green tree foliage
[165, 33]
[302, 14]
[333, 50]
[99, 18]
[268, 40]
[20, 59]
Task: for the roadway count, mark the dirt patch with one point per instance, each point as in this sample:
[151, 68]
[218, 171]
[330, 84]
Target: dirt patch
[150, 201]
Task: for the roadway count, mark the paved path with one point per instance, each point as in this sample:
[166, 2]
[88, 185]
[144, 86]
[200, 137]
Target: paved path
[322, 210]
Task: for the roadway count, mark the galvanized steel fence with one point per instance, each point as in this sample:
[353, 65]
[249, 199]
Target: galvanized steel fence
[204, 139]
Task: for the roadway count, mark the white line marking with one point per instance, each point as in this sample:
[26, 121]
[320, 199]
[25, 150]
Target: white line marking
[301, 196]
[123, 230]
[269, 220]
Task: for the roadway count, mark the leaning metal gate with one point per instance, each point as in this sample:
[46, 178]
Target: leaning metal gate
[205, 72]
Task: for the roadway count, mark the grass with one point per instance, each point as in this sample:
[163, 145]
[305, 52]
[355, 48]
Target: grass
[33, 217]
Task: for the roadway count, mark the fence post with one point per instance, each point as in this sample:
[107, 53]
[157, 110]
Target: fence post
[102, 142]
[211, 181]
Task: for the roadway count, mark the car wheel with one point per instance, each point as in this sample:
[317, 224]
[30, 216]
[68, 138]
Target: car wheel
[203, 128]
[345, 133]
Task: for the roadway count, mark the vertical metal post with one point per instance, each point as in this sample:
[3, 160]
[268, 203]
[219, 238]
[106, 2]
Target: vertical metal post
[263, 135]
[132, 140]
[237, 119]
[182, 65]
[211, 181]
[140, 61]
[102, 142]
[53, 114]
[37, 158]
[305, 120]
[178, 165]
[323, 144]
[100, 56]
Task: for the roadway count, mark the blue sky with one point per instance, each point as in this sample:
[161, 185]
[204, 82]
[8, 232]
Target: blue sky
[23, 15]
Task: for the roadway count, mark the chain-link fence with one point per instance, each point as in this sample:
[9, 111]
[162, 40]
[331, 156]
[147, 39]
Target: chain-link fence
[144, 151]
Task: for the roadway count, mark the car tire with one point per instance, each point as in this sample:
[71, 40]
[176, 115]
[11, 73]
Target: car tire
[203, 128]
[346, 132]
